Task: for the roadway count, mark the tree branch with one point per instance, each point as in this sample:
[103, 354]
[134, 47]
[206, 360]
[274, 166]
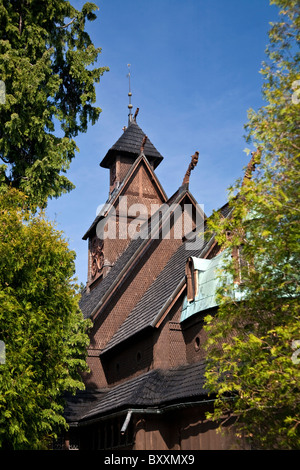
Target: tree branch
[66, 25]
[20, 24]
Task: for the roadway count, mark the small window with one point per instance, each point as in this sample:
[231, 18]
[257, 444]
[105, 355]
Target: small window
[197, 343]
[138, 357]
[191, 280]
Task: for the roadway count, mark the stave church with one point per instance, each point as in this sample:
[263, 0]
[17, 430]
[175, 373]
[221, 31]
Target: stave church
[151, 281]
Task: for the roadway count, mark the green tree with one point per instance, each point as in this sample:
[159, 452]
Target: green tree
[253, 367]
[43, 330]
[47, 61]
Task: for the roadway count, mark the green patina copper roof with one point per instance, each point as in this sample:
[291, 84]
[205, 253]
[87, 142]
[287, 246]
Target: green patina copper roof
[208, 282]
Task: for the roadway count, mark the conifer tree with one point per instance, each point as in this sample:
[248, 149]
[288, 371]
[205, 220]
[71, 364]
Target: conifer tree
[47, 60]
[47, 96]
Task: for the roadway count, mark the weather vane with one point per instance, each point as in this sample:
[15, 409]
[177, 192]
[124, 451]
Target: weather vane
[130, 95]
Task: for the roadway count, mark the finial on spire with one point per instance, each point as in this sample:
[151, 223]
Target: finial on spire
[130, 95]
[192, 165]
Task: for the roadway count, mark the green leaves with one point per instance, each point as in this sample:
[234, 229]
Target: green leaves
[47, 66]
[250, 341]
[41, 325]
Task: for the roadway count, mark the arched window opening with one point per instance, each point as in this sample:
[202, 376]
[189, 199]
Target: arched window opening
[191, 280]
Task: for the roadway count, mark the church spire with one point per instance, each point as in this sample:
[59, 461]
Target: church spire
[129, 95]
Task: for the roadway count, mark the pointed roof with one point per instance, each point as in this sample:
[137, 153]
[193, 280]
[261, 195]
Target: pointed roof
[93, 301]
[162, 291]
[115, 195]
[171, 281]
[130, 143]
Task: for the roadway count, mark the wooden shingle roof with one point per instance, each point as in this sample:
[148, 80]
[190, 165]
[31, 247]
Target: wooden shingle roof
[130, 143]
[156, 388]
[92, 300]
[147, 311]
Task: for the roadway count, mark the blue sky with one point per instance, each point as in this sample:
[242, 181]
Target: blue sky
[194, 74]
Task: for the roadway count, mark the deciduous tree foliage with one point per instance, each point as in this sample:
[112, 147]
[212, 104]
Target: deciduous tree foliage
[253, 366]
[41, 325]
[47, 61]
